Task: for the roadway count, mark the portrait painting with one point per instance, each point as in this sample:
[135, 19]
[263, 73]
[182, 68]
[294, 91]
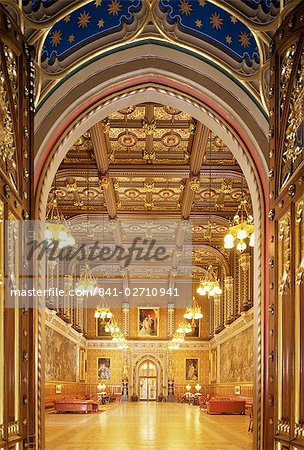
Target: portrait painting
[192, 369]
[148, 322]
[104, 368]
[101, 325]
[195, 333]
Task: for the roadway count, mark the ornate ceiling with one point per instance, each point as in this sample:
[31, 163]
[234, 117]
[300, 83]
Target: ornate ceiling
[235, 35]
[151, 161]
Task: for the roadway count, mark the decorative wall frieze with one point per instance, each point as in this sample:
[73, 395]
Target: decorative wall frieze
[59, 325]
[244, 321]
[147, 345]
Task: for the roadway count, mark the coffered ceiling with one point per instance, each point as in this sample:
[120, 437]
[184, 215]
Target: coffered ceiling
[153, 161]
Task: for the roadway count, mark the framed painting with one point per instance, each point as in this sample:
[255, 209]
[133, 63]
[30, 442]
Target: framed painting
[148, 321]
[213, 366]
[192, 369]
[104, 368]
[101, 328]
[196, 329]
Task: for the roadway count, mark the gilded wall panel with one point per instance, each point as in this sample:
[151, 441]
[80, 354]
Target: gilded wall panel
[236, 361]
[60, 357]
[116, 366]
[179, 363]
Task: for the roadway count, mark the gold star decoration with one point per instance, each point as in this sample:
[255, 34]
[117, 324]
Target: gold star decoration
[229, 39]
[67, 19]
[97, 3]
[233, 19]
[100, 23]
[56, 38]
[198, 23]
[71, 38]
[185, 7]
[114, 7]
[216, 21]
[84, 19]
[202, 2]
[244, 39]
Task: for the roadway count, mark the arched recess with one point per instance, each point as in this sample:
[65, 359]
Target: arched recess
[160, 372]
[206, 93]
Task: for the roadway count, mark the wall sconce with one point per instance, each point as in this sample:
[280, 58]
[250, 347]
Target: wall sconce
[198, 387]
[188, 387]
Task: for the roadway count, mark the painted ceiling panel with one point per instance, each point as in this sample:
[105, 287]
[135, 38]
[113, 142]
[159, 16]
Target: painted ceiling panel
[88, 23]
[213, 24]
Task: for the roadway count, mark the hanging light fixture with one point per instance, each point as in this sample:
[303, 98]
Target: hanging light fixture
[178, 338]
[194, 311]
[87, 282]
[209, 285]
[184, 328]
[56, 229]
[241, 229]
[112, 326]
[103, 312]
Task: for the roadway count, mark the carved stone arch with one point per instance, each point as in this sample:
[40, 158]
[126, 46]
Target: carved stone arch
[138, 361]
[242, 130]
[218, 255]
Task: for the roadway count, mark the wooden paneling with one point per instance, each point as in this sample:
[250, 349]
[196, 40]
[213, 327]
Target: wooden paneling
[284, 418]
[17, 333]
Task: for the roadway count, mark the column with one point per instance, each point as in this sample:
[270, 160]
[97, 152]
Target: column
[245, 292]
[125, 319]
[217, 313]
[171, 319]
[229, 299]
[67, 286]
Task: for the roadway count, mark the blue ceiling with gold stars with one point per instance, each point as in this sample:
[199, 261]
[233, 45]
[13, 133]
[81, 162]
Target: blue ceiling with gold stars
[88, 23]
[207, 21]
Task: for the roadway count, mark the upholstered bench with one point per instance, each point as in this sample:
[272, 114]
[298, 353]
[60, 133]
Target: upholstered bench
[84, 406]
[226, 406]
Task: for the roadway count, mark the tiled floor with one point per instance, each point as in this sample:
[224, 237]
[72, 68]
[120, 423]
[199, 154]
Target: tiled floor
[139, 426]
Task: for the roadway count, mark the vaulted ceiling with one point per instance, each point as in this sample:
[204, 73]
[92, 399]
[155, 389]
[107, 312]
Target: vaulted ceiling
[233, 34]
[153, 161]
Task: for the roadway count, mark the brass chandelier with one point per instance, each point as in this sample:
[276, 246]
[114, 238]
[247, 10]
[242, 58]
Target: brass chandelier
[86, 283]
[56, 229]
[209, 284]
[242, 228]
[194, 311]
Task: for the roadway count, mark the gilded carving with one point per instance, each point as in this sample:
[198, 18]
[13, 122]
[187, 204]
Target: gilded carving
[7, 142]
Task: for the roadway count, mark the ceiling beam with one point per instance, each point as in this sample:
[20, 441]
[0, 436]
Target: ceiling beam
[100, 149]
[199, 147]
[198, 151]
[151, 170]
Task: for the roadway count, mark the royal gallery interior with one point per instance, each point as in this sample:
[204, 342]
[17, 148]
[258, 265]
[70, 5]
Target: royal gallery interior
[151, 224]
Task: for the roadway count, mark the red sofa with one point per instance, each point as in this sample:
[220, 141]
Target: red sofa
[63, 406]
[226, 406]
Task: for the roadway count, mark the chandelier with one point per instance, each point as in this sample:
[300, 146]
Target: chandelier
[209, 285]
[194, 311]
[86, 283]
[242, 228]
[178, 338]
[184, 328]
[103, 313]
[112, 326]
[57, 229]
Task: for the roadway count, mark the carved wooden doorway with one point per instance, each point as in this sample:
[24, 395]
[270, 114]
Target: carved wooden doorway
[17, 372]
[285, 397]
[147, 381]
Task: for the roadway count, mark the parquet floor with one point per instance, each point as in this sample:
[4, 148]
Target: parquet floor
[141, 426]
